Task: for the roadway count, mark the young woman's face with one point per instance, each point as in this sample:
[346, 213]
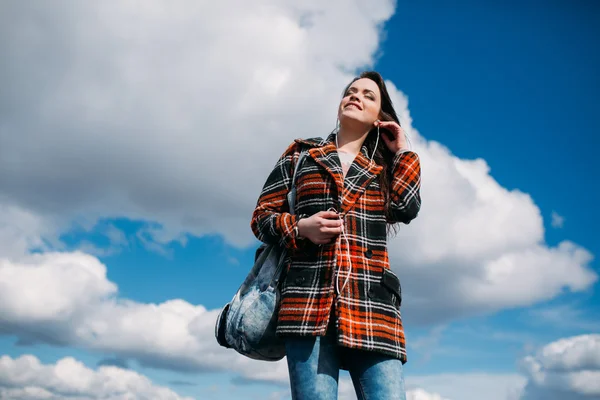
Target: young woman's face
[361, 103]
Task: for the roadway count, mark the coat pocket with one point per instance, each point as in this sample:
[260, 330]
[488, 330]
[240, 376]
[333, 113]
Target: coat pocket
[392, 283]
[387, 290]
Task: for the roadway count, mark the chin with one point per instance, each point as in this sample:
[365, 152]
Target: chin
[351, 115]
[353, 119]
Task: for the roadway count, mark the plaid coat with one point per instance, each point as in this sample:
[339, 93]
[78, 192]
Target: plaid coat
[367, 310]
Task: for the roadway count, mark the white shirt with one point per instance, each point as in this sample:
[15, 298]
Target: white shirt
[346, 159]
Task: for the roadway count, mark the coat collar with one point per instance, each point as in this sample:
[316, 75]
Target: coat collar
[361, 172]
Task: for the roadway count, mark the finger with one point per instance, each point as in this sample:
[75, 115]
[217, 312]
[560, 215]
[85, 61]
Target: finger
[389, 133]
[328, 215]
[331, 223]
[391, 126]
[331, 231]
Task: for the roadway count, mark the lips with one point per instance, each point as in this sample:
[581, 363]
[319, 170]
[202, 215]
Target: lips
[353, 104]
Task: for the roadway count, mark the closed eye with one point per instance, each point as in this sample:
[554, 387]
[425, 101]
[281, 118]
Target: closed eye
[369, 94]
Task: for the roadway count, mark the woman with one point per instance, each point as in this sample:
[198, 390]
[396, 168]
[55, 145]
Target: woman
[340, 302]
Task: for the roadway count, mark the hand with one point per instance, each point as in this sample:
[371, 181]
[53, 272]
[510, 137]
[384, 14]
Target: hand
[398, 140]
[320, 228]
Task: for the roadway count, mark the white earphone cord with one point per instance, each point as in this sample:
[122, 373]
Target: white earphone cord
[344, 236]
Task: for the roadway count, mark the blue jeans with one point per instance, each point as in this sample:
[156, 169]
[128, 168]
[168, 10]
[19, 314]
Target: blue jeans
[314, 367]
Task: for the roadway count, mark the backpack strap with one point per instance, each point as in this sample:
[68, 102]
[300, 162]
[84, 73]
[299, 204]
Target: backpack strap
[279, 274]
[291, 197]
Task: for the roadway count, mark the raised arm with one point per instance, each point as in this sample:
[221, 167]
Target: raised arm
[405, 188]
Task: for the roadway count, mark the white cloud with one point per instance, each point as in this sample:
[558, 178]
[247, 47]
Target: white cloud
[557, 220]
[78, 306]
[568, 368]
[420, 394]
[51, 286]
[26, 378]
[346, 391]
[469, 386]
[476, 247]
[459, 387]
[22, 231]
[65, 298]
[135, 103]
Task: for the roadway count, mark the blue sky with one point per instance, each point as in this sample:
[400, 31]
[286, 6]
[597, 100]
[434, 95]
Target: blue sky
[122, 162]
[508, 82]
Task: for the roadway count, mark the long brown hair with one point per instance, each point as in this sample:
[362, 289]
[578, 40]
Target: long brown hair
[383, 155]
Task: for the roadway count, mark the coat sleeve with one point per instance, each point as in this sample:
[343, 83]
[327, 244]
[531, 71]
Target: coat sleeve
[271, 221]
[405, 188]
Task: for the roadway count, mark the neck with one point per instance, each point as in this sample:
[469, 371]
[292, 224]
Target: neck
[350, 138]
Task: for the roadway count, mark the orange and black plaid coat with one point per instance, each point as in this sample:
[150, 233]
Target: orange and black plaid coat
[367, 310]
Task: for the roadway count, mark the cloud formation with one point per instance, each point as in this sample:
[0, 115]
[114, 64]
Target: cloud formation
[477, 247]
[26, 378]
[468, 386]
[558, 221]
[346, 391]
[568, 368]
[66, 299]
[142, 110]
[78, 306]
[420, 394]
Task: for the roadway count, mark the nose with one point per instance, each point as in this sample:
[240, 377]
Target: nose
[354, 97]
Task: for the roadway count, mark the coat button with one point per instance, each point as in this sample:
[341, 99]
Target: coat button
[370, 292]
[369, 253]
[300, 280]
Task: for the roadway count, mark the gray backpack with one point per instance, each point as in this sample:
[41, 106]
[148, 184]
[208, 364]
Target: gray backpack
[248, 322]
